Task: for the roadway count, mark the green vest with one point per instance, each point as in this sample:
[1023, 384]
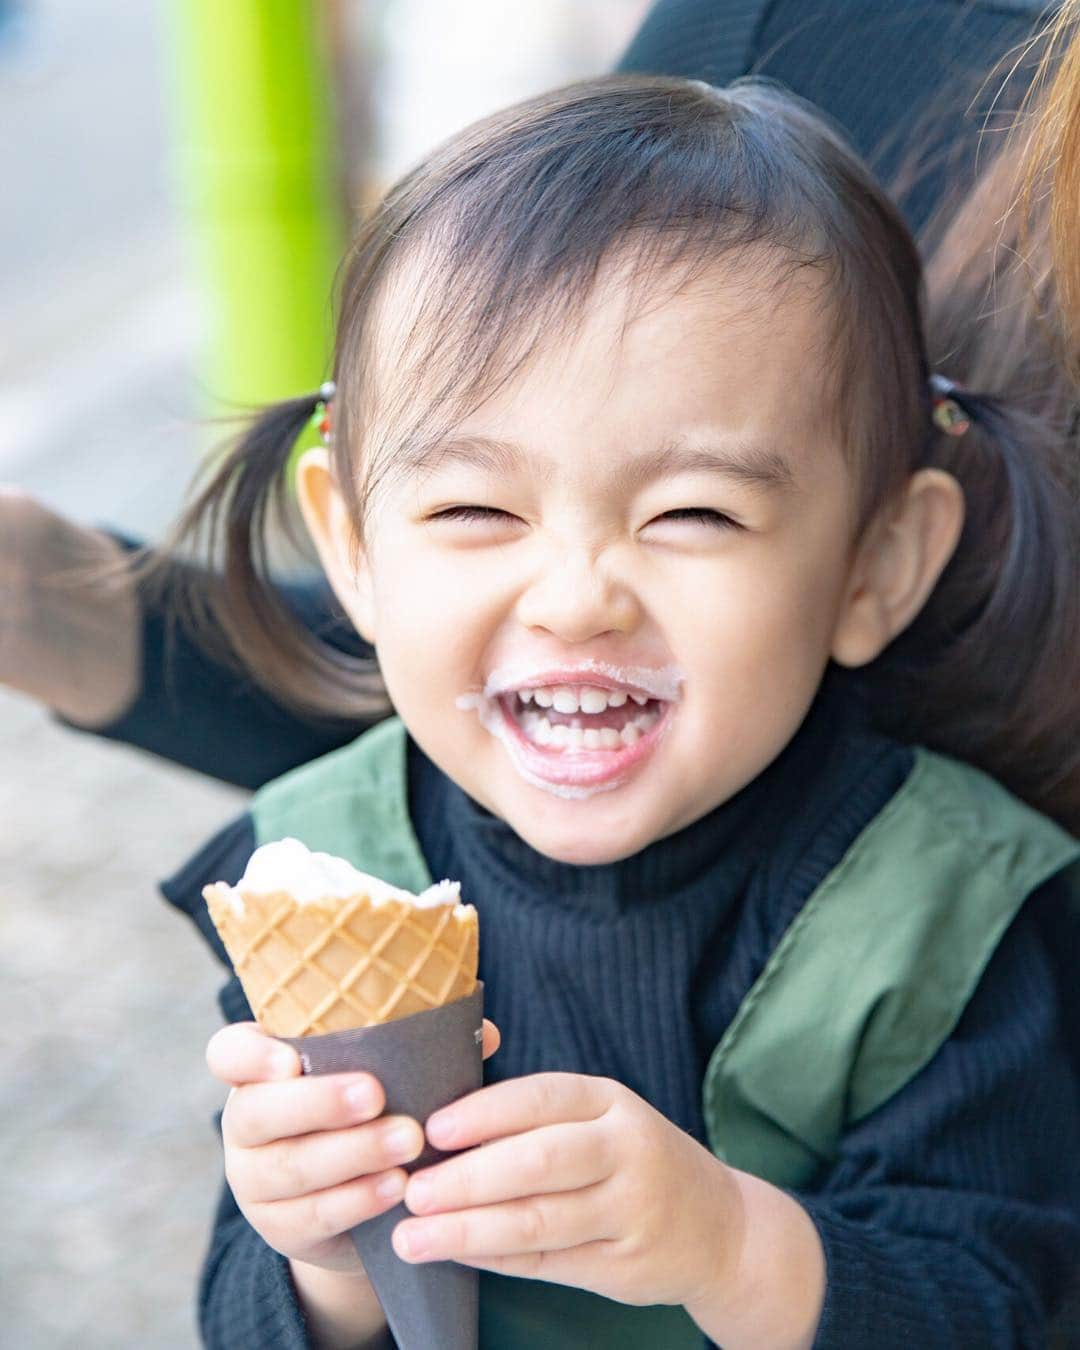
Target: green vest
[859, 994]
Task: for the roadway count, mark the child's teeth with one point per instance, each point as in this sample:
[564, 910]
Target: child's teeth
[593, 701]
[569, 699]
[559, 736]
[565, 699]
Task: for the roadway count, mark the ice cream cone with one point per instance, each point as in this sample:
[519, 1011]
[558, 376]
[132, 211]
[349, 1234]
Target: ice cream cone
[341, 962]
[423, 1062]
[360, 976]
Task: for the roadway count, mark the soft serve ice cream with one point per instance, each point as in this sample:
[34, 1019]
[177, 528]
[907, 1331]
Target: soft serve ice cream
[319, 946]
[288, 865]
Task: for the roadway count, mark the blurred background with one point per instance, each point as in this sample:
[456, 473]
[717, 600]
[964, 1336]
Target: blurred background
[179, 181]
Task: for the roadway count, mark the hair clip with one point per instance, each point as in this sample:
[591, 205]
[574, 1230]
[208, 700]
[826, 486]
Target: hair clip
[321, 418]
[946, 412]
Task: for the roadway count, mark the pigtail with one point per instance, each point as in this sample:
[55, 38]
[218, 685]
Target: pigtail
[988, 672]
[240, 513]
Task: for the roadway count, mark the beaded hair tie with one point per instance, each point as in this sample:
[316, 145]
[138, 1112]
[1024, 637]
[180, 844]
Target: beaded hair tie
[946, 411]
[321, 418]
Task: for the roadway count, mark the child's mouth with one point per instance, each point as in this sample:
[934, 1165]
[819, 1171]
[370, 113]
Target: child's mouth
[582, 735]
[576, 732]
[569, 718]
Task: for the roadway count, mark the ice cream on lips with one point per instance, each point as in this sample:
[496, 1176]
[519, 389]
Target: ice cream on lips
[574, 732]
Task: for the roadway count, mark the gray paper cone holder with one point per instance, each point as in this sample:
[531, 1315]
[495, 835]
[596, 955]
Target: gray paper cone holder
[424, 1061]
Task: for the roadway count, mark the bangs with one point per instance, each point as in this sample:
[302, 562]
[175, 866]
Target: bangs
[492, 248]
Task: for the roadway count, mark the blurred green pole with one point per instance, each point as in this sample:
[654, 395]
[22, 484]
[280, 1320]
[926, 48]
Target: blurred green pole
[256, 123]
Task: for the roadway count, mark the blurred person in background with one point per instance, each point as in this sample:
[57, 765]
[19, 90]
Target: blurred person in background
[910, 84]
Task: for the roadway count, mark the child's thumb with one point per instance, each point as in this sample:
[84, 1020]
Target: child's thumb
[241, 1053]
[492, 1038]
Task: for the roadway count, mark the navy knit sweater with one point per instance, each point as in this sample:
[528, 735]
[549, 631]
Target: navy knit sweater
[948, 1220]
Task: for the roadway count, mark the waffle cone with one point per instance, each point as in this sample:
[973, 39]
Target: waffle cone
[333, 964]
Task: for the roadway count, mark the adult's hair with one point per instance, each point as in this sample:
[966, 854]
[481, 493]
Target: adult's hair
[513, 220]
[1049, 142]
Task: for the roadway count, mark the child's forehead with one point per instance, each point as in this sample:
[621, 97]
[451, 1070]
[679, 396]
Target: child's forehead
[729, 395]
[738, 317]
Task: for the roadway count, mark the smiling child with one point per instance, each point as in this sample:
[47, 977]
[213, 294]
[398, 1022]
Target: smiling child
[675, 556]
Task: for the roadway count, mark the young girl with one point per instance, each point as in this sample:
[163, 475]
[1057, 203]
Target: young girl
[675, 556]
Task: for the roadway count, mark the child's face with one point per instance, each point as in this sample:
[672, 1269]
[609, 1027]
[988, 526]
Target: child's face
[588, 568]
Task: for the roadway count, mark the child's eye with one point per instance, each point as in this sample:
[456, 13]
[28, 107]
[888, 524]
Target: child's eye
[470, 513]
[704, 515]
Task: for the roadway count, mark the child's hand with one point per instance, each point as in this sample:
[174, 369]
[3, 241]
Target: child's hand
[305, 1157]
[585, 1184]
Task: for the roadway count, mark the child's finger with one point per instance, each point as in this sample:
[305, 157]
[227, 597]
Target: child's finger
[520, 1104]
[324, 1214]
[316, 1162]
[555, 1158]
[265, 1112]
[542, 1223]
[241, 1053]
[492, 1038]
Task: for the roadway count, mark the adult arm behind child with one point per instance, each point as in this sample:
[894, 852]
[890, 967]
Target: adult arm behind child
[69, 621]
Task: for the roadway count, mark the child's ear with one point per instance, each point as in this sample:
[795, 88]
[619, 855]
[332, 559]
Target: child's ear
[331, 529]
[897, 565]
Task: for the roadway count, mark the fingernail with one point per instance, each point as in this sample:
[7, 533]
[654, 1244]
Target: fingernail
[283, 1062]
[420, 1195]
[412, 1244]
[441, 1127]
[391, 1187]
[400, 1142]
[361, 1099]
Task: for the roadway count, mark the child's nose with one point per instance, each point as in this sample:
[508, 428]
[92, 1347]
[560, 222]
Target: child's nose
[576, 598]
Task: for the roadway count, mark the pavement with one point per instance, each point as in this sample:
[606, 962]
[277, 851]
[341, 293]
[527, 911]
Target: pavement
[100, 319]
[107, 998]
[111, 1159]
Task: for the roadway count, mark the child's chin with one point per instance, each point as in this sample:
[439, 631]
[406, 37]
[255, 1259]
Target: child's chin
[580, 849]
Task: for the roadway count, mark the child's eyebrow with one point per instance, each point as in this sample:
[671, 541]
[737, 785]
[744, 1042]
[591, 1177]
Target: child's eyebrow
[749, 463]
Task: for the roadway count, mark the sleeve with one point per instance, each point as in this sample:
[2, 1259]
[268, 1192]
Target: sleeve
[208, 716]
[223, 858]
[912, 91]
[952, 1218]
[246, 1293]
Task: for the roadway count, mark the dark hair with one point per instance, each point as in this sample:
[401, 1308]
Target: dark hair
[513, 219]
[1003, 693]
